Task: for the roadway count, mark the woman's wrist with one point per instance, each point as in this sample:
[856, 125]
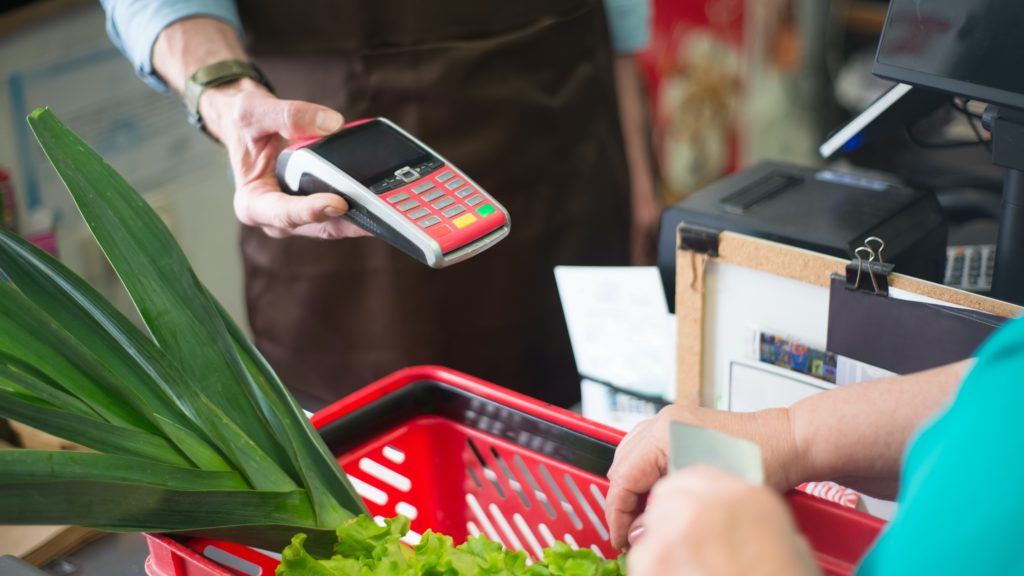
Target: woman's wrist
[784, 464]
[770, 429]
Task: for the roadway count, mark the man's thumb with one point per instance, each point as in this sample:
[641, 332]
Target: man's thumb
[303, 120]
[328, 121]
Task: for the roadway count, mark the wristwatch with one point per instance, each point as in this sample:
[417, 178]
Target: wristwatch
[217, 74]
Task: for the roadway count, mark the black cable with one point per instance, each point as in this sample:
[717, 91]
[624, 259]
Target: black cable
[971, 118]
[962, 107]
[981, 140]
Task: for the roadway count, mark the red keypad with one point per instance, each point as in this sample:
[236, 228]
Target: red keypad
[447, 207]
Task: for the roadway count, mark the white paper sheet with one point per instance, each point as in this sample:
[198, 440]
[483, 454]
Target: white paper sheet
[612, 408]
[620, 327]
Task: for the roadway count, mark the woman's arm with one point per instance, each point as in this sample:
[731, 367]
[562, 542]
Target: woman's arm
[854, 434]
[857, 434]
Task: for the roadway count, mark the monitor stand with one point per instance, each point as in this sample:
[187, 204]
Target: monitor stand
[1007, 128]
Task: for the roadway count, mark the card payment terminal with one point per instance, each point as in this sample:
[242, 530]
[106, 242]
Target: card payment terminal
[399, 190]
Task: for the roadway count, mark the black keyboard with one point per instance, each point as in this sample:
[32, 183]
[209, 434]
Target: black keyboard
[970, 267]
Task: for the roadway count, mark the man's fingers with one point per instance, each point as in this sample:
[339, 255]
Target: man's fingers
[330, 230]
[313, 216]
[275, 209]
[260, 123]
[332, 205]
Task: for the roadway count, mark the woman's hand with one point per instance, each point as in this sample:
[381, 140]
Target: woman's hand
[642, 457]
[704, 521]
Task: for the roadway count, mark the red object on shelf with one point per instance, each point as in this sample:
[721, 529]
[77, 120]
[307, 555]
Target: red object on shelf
[8, 206]
[461, 456]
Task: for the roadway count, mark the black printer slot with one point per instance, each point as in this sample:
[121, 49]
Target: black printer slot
[741, 200]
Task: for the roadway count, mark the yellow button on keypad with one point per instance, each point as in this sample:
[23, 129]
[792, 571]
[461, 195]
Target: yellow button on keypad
[464, 220]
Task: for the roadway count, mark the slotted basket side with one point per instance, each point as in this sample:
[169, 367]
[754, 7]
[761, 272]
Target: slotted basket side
[461, 456]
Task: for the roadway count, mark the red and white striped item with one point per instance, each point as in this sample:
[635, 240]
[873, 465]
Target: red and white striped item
[832, 492]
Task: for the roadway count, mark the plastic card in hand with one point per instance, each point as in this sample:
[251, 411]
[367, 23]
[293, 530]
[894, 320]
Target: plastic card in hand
[695, 446]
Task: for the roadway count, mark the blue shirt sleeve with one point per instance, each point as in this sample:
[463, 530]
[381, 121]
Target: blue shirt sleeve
[133, 26]
[629, 22]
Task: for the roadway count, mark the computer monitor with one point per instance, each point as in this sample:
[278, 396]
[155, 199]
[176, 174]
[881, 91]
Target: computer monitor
[970, 48]
[974, 49]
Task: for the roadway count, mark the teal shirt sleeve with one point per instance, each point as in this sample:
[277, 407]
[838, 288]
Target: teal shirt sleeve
[133, 26]
[961, 507]
[629, 22]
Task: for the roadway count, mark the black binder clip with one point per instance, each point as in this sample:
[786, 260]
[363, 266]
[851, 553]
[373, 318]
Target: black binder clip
[699, 239]
[872, 274]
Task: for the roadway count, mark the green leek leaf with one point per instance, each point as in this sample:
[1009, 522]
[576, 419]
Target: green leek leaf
[334, 498]
[31, 337]
[130, 355]
[261, 472]
[91, 433]
[84, 315]
[36, 384]
[198, 450]
[198, 435]
[170, 299]
[117, 505]
[23, 466]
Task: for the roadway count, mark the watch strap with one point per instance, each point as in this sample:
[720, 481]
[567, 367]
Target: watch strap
[217, 74]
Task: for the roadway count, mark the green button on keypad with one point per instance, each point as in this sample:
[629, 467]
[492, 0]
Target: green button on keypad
[486, 210]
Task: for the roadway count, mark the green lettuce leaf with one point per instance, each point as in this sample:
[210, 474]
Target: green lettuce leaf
[366, 548]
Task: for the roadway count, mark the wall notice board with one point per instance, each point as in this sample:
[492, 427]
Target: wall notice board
[754, 323]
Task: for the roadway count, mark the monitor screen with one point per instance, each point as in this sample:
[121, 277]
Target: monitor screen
[972, 48]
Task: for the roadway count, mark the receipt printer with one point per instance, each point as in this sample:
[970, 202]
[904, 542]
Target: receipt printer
[821, 210]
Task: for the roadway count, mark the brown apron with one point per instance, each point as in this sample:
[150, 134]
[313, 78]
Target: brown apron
[520, 95]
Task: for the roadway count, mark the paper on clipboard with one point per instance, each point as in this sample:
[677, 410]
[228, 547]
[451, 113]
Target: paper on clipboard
[903, 334]
[620, 327]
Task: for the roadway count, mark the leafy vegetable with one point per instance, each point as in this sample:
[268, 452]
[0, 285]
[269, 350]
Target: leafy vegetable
[365, 548]
[195, 432]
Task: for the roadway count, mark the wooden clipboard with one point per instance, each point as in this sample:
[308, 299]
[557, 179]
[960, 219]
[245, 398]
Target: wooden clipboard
[698, 249]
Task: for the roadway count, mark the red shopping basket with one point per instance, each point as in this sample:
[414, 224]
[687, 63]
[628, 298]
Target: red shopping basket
[460, 456]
